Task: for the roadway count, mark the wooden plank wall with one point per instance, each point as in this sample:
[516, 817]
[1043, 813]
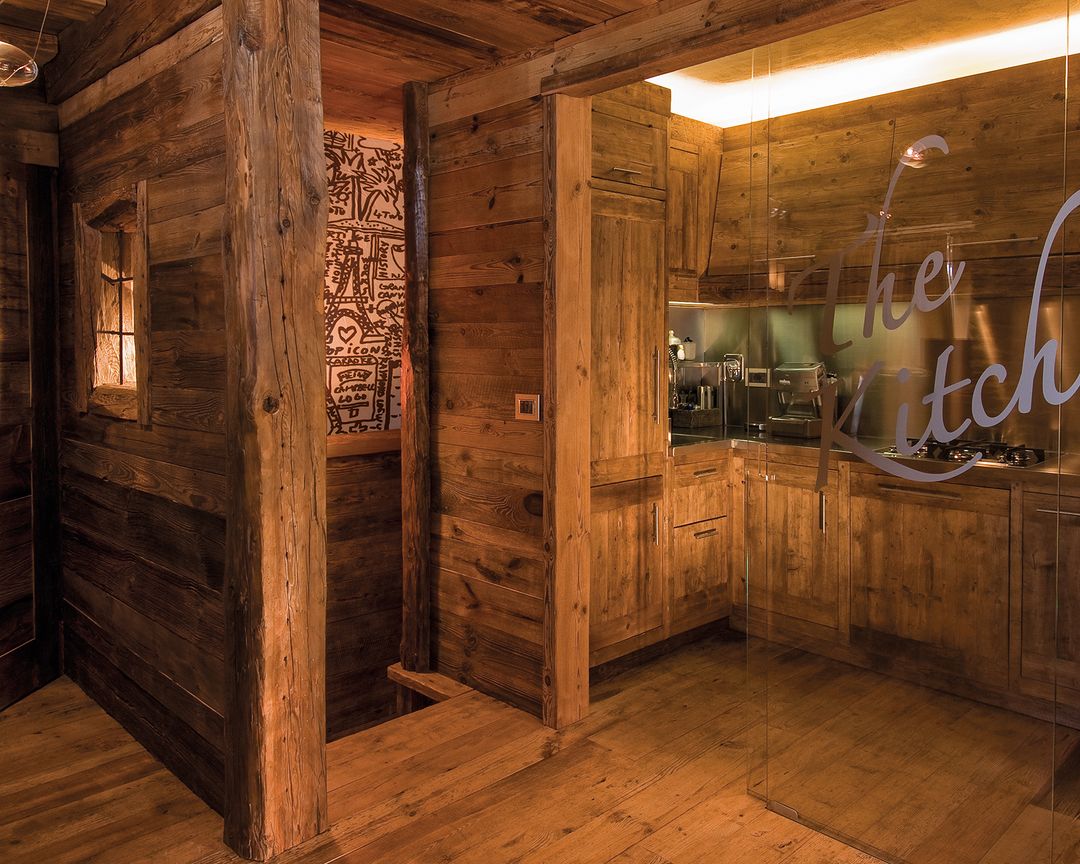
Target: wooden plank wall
[16, 548]
[143, 508]
[363, 590]
[487, 331]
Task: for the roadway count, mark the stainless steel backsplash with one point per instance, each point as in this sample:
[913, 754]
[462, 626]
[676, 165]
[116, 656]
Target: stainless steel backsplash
[981, 332]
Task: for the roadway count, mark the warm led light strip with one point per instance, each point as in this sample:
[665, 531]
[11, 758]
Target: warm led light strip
[809, 87]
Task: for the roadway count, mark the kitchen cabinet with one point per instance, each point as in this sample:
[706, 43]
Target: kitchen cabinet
[793, 553]
[930, 576]
[629, 348]
[626, 583]
[630, 139]
[698, 573]
[1049, 617]
[694, 159]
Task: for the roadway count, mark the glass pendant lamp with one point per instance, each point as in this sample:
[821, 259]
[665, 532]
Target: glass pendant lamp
[17, 68]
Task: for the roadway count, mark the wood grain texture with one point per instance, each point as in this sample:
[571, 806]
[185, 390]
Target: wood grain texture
[275, 599]
[415, 393]
[19, 674]
[364, 591]
[487, 469]
[568, 363]
[657, 38]
[371, 49]
[124, 30]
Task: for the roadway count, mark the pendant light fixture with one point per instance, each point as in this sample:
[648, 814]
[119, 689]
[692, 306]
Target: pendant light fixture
[17, 68]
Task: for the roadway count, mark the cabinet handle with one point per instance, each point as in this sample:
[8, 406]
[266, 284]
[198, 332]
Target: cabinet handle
[705, 472]
[616, 168]
[821, 512]
[922, 493]
[1058, 513]
[659, 411]
[656, 524]
[701, 535]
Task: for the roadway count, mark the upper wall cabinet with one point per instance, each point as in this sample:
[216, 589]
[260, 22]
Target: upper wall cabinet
[630, 140]
[629, 410]
[694, 158]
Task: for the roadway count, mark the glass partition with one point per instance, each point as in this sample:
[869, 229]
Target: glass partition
[896, 261]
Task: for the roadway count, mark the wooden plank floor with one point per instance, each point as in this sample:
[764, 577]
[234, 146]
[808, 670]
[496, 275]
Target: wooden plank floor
[655, 775]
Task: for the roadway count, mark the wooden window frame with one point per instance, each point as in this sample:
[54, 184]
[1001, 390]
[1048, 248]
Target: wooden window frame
[110, 400]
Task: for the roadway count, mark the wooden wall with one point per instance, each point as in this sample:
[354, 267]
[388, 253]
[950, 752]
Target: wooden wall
[143, 508]
[16, 548]
[822, 171]
[487, 275]
[363, 590]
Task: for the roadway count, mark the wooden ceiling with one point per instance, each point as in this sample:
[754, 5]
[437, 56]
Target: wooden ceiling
[370, 48]
[21, 21]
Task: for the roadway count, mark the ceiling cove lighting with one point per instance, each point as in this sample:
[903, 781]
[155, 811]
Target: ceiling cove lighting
[802, 89]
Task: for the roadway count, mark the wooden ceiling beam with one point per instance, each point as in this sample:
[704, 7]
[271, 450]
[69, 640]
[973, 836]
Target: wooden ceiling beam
[660, 38]
[62, 13]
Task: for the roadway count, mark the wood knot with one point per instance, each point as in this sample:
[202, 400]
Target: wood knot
[271, 404]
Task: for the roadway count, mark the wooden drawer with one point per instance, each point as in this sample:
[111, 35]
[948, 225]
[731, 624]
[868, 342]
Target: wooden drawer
[630, 150]
[699, 492]
[700, 590]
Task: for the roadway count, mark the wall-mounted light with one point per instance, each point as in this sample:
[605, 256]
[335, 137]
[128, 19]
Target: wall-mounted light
[17, 68]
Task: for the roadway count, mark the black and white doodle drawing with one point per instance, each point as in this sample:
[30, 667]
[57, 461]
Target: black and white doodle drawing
[365, 283]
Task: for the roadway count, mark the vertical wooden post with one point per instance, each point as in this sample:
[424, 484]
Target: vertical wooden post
[566, 407]
[275, 568]
[415, 372]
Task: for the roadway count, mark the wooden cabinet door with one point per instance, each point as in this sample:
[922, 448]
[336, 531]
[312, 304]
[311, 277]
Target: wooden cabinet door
[626, 594]
[700, 589]
[793, 564]
[630, 137]
[629, 351]
[694, 159]
[1050, 598]
[930, 575]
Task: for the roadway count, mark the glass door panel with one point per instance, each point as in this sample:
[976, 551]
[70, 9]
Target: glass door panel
[908, 592]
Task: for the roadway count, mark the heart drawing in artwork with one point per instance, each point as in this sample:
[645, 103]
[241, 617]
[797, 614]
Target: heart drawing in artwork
[346, 333]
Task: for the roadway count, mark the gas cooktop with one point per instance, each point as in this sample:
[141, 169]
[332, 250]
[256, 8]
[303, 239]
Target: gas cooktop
[993, 453]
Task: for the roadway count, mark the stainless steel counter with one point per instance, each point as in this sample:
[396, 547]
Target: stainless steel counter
[1065, 464]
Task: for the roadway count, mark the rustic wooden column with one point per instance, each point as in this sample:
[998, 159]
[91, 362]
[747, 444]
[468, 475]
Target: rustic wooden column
[415, 372]
[275, 569]
[566, 406]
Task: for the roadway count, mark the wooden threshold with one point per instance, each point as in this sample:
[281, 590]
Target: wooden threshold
[431, 685]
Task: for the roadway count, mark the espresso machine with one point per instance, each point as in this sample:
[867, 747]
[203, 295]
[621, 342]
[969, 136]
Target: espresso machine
[798, 388]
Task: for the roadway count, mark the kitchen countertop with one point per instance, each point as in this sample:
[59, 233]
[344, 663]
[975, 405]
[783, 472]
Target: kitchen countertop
[1067, 464]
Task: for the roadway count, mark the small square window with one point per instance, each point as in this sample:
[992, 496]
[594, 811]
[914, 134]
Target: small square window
[113, 352]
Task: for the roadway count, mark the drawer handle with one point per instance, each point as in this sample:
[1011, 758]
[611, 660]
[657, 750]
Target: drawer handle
[656, 524]
[922, 493]
[1058, 513]
[701, 535]
[615, 168]
[705, 472]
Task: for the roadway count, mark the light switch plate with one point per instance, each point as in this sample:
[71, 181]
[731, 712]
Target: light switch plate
[527, 406]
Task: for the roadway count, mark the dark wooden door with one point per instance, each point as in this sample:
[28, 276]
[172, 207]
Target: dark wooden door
[28, 624]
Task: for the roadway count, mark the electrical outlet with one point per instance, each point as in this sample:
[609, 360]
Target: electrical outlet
[527, 406]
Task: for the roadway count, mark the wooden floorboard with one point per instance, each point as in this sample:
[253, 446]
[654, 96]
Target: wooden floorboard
[656, 774]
